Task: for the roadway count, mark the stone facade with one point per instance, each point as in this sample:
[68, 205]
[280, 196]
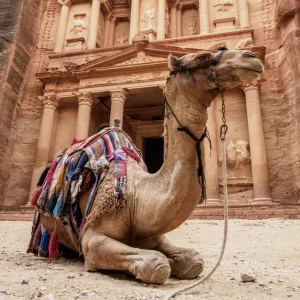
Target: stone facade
[69, 65]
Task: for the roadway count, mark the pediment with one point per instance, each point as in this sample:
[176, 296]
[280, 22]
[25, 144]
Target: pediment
[132, 58]
[140, 58]
[133, 55]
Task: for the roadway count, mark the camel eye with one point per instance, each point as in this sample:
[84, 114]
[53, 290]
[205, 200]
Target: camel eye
[202, 57]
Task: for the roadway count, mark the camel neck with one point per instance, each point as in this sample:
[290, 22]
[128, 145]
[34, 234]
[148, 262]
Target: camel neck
[176, 190]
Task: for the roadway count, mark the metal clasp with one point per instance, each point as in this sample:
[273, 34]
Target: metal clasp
[223, 131]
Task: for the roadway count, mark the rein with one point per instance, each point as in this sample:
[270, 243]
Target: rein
[223, 131]
[214, 78]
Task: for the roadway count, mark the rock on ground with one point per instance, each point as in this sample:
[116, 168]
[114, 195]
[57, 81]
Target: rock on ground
[267, 250]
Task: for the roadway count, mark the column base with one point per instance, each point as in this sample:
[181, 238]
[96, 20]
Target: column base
[214, 202]
[264, 201]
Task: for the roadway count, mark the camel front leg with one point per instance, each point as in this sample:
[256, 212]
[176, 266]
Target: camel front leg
[185, 263]
[105, 253]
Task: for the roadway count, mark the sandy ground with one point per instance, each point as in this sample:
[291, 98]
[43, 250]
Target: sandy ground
[268, 250]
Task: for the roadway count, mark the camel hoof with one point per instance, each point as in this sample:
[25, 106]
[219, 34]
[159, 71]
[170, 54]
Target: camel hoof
[189, 266]
[193, 272]
[155, 269]
[161, 274]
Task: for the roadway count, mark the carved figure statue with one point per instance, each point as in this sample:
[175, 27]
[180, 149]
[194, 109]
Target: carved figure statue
[223, 5]
[79, 27]
[190, 27]
[122, 40]
[238, 153]
[148, 18]
[132, 238]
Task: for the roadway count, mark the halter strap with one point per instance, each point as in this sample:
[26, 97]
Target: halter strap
[200, 171]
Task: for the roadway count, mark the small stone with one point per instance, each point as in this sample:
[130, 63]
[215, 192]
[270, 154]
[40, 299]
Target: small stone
[247, 278]
[289, 295]
[40, 294]
[18, 263]
[262, 285]
[4, 292]
[24, 281]
[70, 276]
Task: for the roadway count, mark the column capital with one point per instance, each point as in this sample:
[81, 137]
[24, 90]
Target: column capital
[84, 98]
[118, 96]
[179, 5]
[65, 2]
[251, 86]
[173, 4]
[112, 17]
[49, 101]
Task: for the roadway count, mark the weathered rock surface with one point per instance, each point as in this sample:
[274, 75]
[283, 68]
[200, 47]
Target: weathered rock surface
[20, 25]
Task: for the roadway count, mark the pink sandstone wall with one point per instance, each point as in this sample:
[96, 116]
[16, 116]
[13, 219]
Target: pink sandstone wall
[20, 32]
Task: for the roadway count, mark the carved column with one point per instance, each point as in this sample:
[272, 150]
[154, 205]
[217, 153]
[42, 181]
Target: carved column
[161, 20]
[106, 30]
[179, 19]
[211, 160]
[85, 102]
[94, 22]
[44, 142]
[257, 145]
[204, 16]
[173, 15]
[134, 19]
[244, 14]
[112, 29]
[62, 26]
[117, 106]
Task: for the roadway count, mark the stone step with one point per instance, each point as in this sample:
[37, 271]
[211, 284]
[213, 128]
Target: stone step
[16, 216]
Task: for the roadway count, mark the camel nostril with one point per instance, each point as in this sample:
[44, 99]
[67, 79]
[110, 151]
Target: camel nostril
[249, 54]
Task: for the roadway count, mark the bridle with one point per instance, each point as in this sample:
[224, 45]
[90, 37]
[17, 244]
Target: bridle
[214, 77]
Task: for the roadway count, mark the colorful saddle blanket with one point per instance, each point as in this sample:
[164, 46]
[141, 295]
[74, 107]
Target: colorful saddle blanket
[80, 168]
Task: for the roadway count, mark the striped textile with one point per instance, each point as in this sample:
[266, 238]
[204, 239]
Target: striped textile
[86, 164]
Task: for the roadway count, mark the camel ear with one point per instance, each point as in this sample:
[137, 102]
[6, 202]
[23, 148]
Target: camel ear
[174, 62]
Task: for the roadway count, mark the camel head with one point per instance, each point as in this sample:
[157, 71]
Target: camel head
[193, 72]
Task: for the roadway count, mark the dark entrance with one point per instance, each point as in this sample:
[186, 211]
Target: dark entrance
[154, 153]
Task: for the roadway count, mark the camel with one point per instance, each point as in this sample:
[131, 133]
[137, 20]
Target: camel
[133, 238]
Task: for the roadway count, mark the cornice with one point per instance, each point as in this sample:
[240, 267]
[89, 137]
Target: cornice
[124, 70]
[208, 36]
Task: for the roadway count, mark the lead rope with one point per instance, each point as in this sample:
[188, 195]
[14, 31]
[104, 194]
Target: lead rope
[223, 131]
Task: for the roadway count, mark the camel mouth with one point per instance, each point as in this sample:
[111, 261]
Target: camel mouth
[255, 70]
[255, 67]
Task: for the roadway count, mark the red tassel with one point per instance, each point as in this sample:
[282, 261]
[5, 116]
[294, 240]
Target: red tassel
[51, 172]
[53, 247]
[35, 196]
